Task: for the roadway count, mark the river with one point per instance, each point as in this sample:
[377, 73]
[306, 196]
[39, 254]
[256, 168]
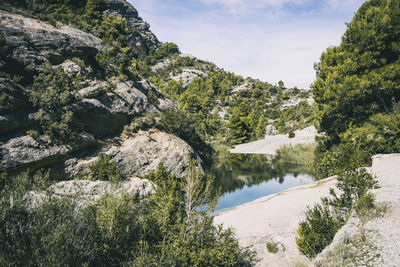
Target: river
[246, 177]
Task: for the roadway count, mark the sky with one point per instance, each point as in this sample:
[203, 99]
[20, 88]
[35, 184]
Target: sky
[270, 40]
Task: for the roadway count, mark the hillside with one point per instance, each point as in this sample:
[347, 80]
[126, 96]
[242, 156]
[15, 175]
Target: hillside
[71, 87]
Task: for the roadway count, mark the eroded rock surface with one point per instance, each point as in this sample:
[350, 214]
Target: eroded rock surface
[141, 153]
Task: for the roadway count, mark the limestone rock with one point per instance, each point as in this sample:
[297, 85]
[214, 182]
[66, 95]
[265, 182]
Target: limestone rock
[70, 67]
[16, 96]
[271, 130]
[188, 75]
[33, 42]
[15, 108]
[93, 190]
[25, 151]
[113, 109]
[161, 65]
[139, 154]
[93, 90]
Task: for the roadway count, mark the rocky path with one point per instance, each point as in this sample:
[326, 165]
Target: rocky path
[272, 143]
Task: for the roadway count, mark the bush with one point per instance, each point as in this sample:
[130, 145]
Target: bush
[105, 170]
[291, 134]
[272, 247]
[323, 221]
[353, 185]
[317, 230]
[51, 91]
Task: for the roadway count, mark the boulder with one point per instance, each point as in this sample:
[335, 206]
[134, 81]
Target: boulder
[26, 152]
[141, 153]
[94, 190]
[188, 75]
[271, 130]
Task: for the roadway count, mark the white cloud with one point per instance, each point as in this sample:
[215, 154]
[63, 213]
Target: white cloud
[244, 7]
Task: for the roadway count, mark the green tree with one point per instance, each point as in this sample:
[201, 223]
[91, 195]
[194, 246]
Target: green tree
[360, 77]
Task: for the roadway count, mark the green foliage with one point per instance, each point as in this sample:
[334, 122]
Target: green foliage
[297, 117]
[104, 169]
[291, 134]
[297, 155]
[272, 247]
[114, 231]
[317, 230]
[51, 91]
[379, 135]
[353, 185]
[360, 77]
[323, 221]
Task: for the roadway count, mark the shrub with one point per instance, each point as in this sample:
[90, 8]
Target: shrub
[317, 230]
[105, 170]
[51, 91]
[272, 247]
[353, 185]
[291, 134]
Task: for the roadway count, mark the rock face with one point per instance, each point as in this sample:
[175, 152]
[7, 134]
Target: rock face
[271, 130]
[146, 40]
[94, 190]
[33, 42]
[141, 153]
[26, 152]
[15, 109]
[188, 75]
[101, 108]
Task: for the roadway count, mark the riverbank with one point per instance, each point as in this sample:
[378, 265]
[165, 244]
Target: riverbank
[276, 217]
[272, 143]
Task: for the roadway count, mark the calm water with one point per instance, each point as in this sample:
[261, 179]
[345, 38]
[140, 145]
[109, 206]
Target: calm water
[244, 178]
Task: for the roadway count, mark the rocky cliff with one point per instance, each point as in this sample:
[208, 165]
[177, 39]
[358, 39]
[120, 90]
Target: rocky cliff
[102, 105]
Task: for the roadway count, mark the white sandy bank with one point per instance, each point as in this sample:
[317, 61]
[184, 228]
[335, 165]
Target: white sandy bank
[271, 143]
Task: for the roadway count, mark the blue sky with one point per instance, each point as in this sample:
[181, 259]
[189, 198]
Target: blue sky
[270, 40]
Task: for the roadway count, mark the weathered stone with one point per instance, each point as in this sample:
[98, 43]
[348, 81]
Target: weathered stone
[271, 130]
[16, 96]
[70, 67]
[33, 42]
[188, 75]
[25, 151]
[94, 190]
[139, 154]
[93, 90]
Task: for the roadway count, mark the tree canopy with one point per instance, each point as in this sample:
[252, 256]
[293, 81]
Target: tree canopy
[361, 76]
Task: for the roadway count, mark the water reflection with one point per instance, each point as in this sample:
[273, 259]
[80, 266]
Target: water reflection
[244, 177]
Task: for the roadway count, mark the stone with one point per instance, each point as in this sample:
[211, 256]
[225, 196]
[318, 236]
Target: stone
[33, 42]
[271, 130]
[93, 90]
[26, 152]
[141, 153]
[188, 75]
[70, 67]
[94, 190]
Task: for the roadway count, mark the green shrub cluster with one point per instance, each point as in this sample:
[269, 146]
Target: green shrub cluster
[324, 220]
[114, 231]
[51, 92]
[272, 247]
[104, 169]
